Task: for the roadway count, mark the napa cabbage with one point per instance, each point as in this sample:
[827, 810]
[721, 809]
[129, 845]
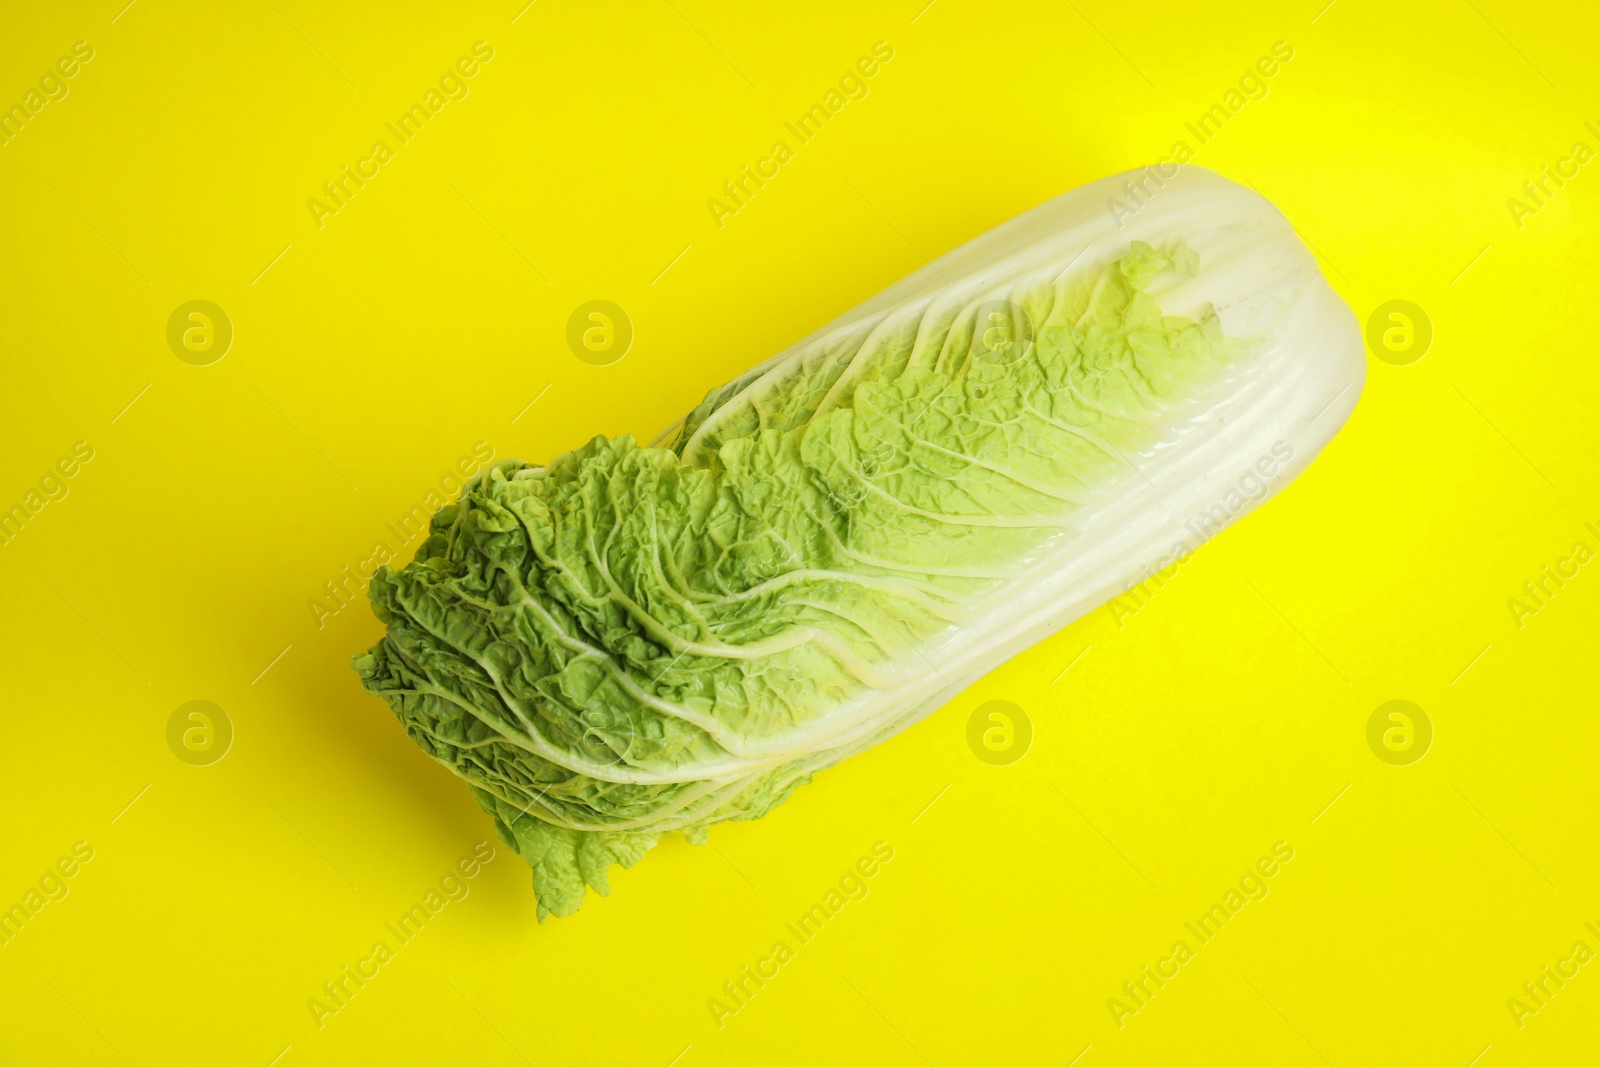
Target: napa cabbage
[638, 639]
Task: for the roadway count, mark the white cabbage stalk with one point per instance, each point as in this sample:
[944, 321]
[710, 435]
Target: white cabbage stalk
[632, 640]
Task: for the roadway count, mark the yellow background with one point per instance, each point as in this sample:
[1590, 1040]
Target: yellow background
[1222, 717]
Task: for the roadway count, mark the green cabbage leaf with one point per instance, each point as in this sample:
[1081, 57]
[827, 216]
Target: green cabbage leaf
[633, 640]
